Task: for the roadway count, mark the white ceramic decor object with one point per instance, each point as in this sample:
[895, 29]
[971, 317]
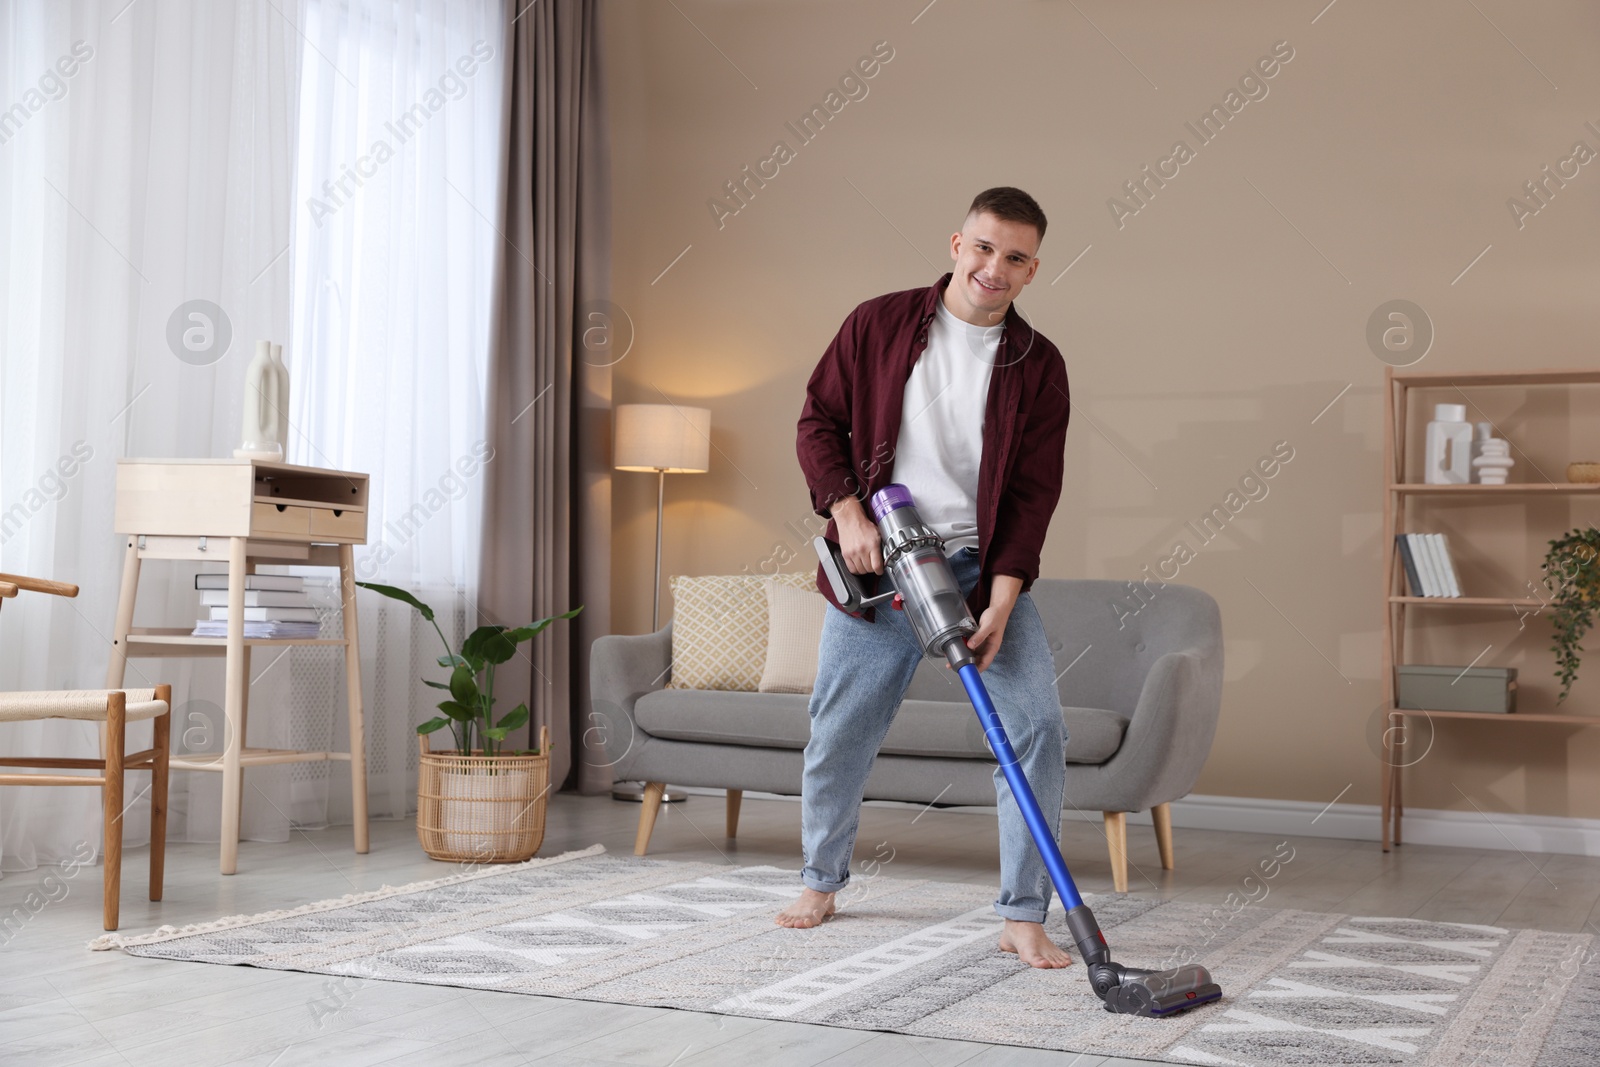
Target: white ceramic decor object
[1494, 461]
[282, 411]
[259, 426]
[1483, 431]
[1447, 457]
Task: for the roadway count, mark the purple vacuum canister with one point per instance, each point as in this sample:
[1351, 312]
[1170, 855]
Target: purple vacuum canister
[888, 498]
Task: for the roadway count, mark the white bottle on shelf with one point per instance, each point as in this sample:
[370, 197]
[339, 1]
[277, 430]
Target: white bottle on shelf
[1447, 458]
[259, 427]
[282, 410]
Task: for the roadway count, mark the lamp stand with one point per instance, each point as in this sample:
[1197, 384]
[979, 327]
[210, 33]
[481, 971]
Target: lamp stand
[634, 791]
[661, 500]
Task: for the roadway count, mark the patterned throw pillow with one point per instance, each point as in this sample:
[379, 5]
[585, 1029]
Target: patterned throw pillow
[794, 632]
[719, 629]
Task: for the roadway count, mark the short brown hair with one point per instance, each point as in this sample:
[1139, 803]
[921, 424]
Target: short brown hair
[1010, 204]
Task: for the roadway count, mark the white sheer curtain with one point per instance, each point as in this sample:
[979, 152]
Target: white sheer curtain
[144, 162]
[178, 161]
[395, 188]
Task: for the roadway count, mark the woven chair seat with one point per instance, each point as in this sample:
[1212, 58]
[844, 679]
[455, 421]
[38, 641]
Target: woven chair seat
[85, 704]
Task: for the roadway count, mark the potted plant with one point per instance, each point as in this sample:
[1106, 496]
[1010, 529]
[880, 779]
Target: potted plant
[480, 801]
[1576, 585]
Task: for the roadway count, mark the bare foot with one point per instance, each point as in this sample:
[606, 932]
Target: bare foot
[1032, 947]
[810, 909]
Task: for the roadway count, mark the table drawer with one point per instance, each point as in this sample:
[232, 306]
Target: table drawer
[280, 520]
[344, 526]
[295, 523]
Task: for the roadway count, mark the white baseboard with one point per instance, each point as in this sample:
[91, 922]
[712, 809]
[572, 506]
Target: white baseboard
[1362, 822]
[1355, 822]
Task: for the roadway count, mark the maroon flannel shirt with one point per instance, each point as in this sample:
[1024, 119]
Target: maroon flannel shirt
[850, 426]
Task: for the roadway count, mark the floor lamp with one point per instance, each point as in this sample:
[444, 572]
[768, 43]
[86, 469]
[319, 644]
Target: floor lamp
[663, 439]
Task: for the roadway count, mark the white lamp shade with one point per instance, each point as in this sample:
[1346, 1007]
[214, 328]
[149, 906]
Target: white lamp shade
[662, 437]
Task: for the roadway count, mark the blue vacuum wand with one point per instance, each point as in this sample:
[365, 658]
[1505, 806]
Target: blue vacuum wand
[926, 589]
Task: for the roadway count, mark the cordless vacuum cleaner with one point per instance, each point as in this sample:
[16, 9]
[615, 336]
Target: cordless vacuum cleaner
[925, 588]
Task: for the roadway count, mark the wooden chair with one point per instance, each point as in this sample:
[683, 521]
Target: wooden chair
[113, 709]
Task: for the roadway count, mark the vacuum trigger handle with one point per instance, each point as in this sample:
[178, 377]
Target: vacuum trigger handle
[846, 589]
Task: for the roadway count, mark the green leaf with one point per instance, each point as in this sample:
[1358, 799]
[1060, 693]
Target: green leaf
[523, 633]
[498, 648]
[472, 647]
[514, 718]
[458, 712]
[432, 725]
[464, 684]
[401, 595]
[533, 629]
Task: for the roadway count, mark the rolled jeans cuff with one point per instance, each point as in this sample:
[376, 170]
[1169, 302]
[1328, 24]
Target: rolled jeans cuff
[821, 886]
[1021, 915]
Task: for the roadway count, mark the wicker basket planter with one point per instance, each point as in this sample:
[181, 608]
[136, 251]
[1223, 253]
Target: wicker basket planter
[484, 809]
[478, 801]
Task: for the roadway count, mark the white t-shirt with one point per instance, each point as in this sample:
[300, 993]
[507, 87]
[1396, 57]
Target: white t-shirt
[941, 426]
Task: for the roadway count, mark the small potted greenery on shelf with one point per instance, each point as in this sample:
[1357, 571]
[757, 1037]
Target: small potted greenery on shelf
[481, 801]
[1570, 573]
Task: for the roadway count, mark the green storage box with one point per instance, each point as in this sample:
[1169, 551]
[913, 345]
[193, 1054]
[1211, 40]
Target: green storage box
[1434, 688]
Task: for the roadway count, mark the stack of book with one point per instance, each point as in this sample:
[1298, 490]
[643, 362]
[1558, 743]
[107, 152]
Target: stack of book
[1429, 569]
[275, 605]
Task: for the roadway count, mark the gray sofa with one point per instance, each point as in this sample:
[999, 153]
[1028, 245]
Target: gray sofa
[1140, 692]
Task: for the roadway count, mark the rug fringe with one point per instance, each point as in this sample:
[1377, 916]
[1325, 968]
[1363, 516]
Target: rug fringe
[230, 922]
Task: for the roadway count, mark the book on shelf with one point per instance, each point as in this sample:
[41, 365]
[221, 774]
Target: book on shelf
[256, 598]
[1424, 558]
[280, 582]
[1430, 548]
[1430, 570]
[268, 615]
[1413, 572]
[256, 630]
[1449, 565]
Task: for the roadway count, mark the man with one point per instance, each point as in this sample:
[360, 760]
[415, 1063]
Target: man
[947, 390]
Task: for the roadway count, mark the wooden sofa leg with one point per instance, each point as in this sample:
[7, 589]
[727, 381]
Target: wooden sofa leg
[1117, 841]
[647, 815]
[734, 797]
[1161, 815]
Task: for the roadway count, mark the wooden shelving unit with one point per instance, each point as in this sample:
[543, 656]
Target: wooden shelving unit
[1398, 387]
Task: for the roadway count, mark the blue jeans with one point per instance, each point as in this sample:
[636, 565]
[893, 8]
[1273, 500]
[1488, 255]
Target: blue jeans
[863, 671]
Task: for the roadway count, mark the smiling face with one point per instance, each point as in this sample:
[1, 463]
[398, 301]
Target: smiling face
[994, 259]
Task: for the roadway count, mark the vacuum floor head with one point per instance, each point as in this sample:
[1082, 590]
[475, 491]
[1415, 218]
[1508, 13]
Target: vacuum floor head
[1153, 994]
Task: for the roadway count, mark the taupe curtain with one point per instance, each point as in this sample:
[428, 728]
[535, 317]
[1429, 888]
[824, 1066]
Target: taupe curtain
[547, 511]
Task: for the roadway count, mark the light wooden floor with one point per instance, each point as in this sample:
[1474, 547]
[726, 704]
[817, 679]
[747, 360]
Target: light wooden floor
[60, 1004]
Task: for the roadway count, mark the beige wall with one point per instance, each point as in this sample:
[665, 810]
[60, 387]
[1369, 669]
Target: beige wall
[1219, 320]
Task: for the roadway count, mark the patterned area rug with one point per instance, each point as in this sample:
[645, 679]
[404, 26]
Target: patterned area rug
[919, 957]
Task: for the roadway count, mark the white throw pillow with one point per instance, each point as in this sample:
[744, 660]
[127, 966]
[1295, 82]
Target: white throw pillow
[794, 632]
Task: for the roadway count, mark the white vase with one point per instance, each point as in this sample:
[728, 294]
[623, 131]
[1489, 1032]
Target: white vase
[282, 369]
[1493, 461]
[259, 425]
[1447, 457]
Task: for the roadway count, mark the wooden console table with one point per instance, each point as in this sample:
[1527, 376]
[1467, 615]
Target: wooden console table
[243, 513]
